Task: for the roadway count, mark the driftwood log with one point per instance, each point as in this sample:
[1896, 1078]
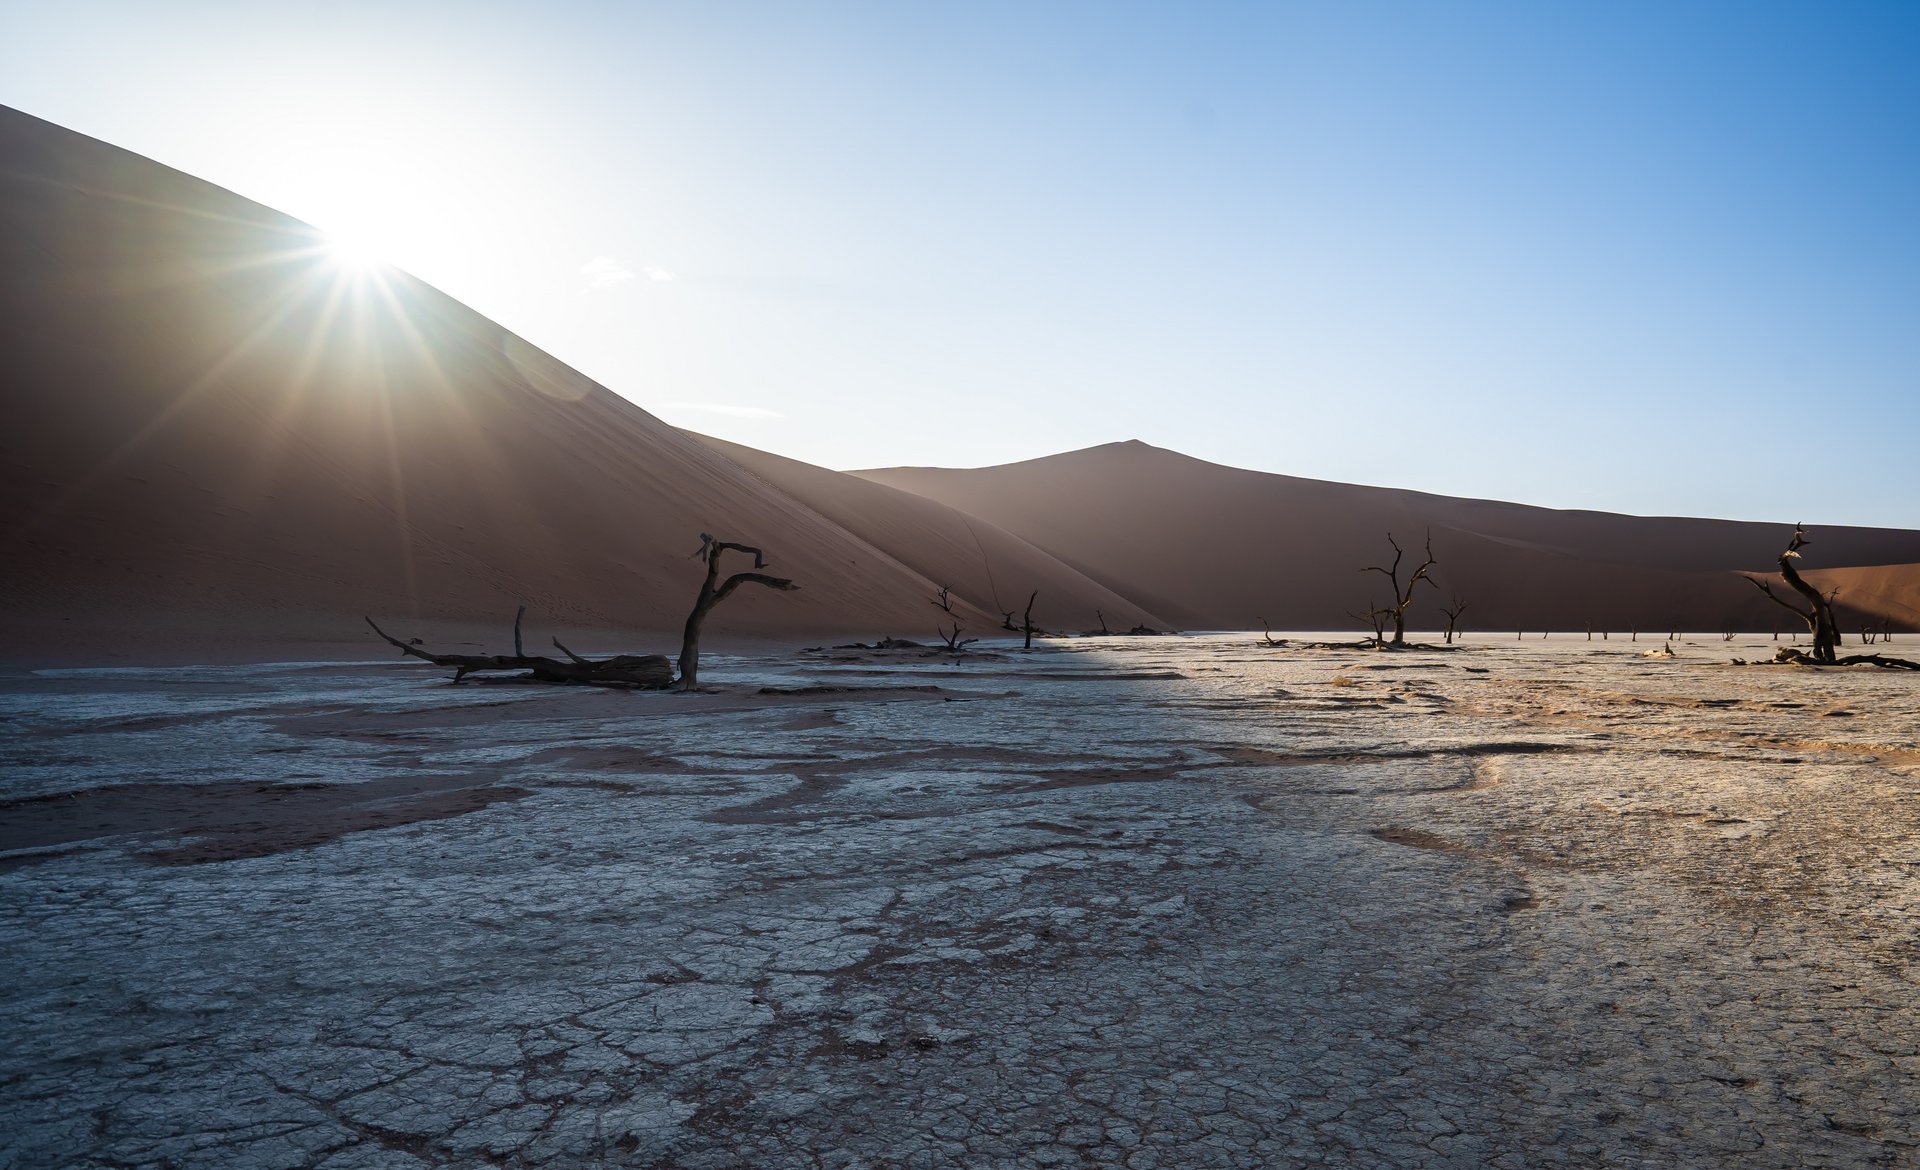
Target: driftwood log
[650, 671]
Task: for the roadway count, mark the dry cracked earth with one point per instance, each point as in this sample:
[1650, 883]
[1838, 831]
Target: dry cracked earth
[1191, 902]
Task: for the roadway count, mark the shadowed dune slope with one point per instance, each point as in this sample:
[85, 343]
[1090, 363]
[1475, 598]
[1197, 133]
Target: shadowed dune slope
[981, 561]
[1217, 547]
[213, 434]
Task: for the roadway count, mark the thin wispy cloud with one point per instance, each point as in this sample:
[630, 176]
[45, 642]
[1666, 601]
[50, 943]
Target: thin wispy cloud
[605, 272]
[729, 409]
[655, 272]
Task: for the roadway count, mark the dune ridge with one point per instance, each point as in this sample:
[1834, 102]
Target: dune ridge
[1219, 547]
[218, 444]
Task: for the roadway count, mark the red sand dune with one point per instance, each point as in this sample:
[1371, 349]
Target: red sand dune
[1889, 592]
[218, 445]
[214, 439]
[1218, 547]
[980, 560]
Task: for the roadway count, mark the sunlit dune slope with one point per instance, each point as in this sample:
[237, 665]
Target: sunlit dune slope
[213, 435]
[1212, 546]
[982, 562]
[1890, 592]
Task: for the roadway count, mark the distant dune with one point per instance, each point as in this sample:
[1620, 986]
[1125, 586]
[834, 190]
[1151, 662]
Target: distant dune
[1218, 547]
[217, 444]
[981, 561]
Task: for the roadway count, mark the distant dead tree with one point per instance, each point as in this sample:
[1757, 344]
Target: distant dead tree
[1819, 612]
[1267, 631]
[945, 600]
[1006, 621]
[712, 595]
[1026, 623]
[1375, 617]
[954, 642]
[1103, 621]
[1453, 613]
[1403, 597]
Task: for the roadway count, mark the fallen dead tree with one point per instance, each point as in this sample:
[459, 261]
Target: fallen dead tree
[650, 671]
[1792, 657]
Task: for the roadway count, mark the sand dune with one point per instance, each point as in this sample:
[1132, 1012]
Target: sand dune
[983, 562]
[1889, 592]
[214, 436]
[220, 444]
[1217, 547]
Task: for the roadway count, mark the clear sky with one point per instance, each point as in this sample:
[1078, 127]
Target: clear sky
[1659, 258]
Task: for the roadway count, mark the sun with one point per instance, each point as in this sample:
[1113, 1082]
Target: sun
[352, 254]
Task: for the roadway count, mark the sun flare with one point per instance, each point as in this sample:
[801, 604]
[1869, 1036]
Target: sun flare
[352, 254]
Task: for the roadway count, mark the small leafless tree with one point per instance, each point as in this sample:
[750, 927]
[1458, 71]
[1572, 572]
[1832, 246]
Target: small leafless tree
[945, 600]
[1026, 623]
[1453, 613]
[954, 641]
[712, 595]
[1006, 621]
[1403, 597]
[1103, 621]
[1377, 618]
[1819, 612]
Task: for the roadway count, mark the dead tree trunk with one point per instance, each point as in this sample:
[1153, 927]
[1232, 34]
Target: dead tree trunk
[1006, 621]
[1453, 613]
[712, 595]
[1103, 620]
[622, 670]
[1027, 622]
[1403, 598]
[1819, 612]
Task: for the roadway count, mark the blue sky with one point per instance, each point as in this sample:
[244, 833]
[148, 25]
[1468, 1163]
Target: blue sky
[1658, 258]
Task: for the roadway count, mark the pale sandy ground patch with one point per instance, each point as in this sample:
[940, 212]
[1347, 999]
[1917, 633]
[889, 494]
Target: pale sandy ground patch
[1158, 902]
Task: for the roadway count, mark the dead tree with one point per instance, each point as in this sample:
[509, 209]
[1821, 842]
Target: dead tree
[1819, 612]
[953, 641]
[1267, 632]
[712, 595]
[1375, 617]
[622, 670]
[1403, 598]
[944, 601]
[1103, 621]
[1453, 613]
[1006, 621]
[1026, 623]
